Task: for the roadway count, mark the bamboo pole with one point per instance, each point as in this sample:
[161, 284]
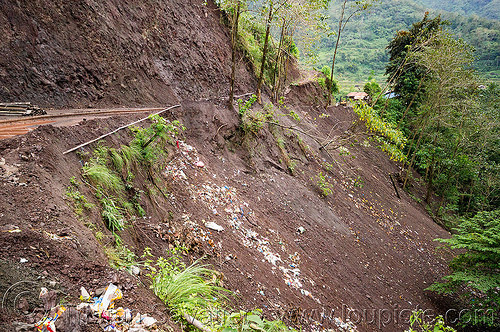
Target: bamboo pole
[114, 131]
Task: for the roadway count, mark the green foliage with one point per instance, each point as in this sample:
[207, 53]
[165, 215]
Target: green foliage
[323, 184]
[194, 290]
[116, 159]
[184, 288]
[408, 74]
[251, 41]
[482, 8]
[243, 321]
[80, 202]
[120, 257]
[392, 140]
[372, 88]
[362, 49]
[450, 124]
[150, 141]
[112, 214]
[100, 175]
[245, 107]
[253, 121]
[475, 270]
[325, 82]
[418, 323]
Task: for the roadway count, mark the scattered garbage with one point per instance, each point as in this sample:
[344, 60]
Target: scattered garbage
[49, 298]
[48, 323]
[135, 270]
[99, 309]
[225, 204]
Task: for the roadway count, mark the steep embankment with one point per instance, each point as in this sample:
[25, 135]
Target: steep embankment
[362, 248]
[100, 53]
[358, 254]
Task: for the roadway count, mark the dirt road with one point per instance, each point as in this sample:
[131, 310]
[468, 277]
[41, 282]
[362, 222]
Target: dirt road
[16, 125]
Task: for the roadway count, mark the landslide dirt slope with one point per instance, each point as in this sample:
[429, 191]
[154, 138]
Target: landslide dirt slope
[362, 248]
[112, 52]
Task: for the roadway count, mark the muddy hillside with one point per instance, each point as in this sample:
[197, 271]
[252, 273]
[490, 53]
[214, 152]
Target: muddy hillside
[315, 237]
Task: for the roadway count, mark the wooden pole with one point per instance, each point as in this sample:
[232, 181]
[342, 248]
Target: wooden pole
[114, 131]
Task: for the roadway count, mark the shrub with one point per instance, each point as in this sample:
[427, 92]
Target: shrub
[475, 273]
[323, 184]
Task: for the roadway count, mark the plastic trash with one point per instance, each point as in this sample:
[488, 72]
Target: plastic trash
[49, 324]
[84, 295]
[23, 260]
[301, 230]
[112, 293]
[199, 164]
[214, 226]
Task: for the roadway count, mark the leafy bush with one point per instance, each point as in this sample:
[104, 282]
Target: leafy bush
[243, 321]
[193, 290]
[120, 257]
[475, 273]
[325, 82]
[372, 89]
[80, 202]
[100, 175]
[392, 140]
[252, 122]
[323, 184]
[418, 324]
[112, 214]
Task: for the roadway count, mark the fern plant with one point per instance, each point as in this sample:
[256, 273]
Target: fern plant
[476, 270]
[184, 288]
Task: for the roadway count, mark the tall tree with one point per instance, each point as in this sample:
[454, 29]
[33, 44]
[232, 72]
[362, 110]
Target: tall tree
[406, 77]
[233, 10]
[348, 10]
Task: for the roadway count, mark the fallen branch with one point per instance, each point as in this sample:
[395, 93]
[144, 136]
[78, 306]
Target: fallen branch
[196, 323]
[114, 131]
[394, 185]
[243, 95]
[217, 132]
[315, 138]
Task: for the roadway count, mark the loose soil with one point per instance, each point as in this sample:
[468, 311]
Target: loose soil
[359, 250]
[363, 248]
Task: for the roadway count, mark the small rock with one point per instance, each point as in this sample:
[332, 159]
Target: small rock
[214, 226]
[135, 270]
[49, 299]
[148, 321]
[23, 327]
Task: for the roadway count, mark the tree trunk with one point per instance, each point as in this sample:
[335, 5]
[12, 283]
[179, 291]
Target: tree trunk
[264, 54]
[234, 37]
[335, 52]
[277, 70]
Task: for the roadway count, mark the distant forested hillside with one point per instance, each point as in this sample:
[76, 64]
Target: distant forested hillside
[484, 8]
[362, 49]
